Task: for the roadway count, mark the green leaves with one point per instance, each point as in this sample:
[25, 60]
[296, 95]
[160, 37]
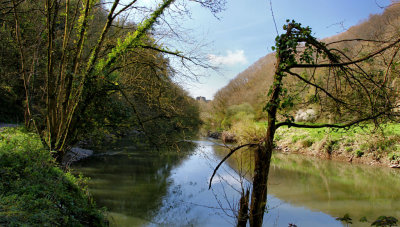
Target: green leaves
[34, 192]
[346, 219]
[287, 44]
[385, 221]
[133, 39]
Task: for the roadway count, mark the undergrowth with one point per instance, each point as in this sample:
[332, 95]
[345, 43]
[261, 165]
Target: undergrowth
[358, 141]
[34, 192]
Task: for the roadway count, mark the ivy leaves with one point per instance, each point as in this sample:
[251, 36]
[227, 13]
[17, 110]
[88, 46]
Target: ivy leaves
[288, 47]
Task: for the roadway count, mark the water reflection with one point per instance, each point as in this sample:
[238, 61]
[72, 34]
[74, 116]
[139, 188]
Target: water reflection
[130, 181]
[336, 188]
[141, 187]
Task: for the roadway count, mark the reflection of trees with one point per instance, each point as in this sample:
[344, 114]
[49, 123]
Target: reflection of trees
[331, 187]
[325, 180]
[132, 182]
[336, 188]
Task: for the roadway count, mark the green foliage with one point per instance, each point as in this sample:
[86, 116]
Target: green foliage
[349, 149]
[93, 57]
[248, 132]
[287, 44]
[346, 219]
[236, 113]
[395, 156]
[359, 153]
[363, 219]
[296, 138]
[385, 221]
[307, 142]
[331, 145]
[34, 192]
[131, 40]
[359, 141]
[11, 90]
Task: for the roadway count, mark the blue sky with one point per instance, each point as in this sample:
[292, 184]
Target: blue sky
[245, 31]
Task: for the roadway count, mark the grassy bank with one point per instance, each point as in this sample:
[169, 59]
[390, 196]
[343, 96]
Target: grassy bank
[34, 192]
[362, 144]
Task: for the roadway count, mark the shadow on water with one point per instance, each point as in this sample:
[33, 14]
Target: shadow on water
[131, 180]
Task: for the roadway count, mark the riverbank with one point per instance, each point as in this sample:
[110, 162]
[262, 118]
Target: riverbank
[34, 191]
[364, 144]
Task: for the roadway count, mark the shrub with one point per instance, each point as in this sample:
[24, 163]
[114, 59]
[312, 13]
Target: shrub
[237, 113]
[385, 221]
[248, 132]
[395, 156]
[36, 192]
[349, 149]
[307, 143]
[331, 145]
[359, 153]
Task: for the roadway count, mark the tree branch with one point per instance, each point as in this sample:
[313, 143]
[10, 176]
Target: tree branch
[296, 125]
[358, 40]
[226, 157]
[346, 63]
[316, 86]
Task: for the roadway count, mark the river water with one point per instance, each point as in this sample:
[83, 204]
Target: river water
[143, 187]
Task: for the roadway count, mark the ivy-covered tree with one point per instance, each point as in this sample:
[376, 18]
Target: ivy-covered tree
[69, 57]
[358, 93]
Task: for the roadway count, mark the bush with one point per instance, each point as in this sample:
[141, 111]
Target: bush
[349, 149]
[394, 156]
[248, 132]
[237, 113]
[359, 153]
[36, 192]
[331, 145]
[307, 143]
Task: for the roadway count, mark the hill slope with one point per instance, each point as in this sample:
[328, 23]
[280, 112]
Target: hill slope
[251, 85]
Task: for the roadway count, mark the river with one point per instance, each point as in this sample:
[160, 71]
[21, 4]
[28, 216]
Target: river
[143, 187]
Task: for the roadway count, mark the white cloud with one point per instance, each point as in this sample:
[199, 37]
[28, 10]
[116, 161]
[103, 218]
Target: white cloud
[231, 58]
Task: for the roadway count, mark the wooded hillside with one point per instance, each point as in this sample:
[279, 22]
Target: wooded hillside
[251, 86]
[76, 69]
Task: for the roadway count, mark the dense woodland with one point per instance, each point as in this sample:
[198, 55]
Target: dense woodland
[82, 70]
[77, 69]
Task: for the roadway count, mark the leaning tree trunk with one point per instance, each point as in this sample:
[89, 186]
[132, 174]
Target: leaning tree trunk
[260, 181]
[262, 156]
